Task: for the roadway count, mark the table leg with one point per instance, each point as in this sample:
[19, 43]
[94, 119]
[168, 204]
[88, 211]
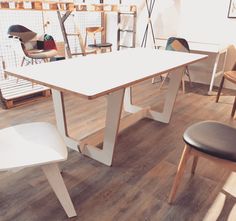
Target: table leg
[114, 108]
[59, 108]
[173, 87]
[128, 106]
[214, 72]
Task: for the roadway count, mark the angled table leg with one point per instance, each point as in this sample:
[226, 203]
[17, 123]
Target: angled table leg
[128, 105]
[114, 108]
[173, 87]
[59, 108]
[213, 75]
[214, 72]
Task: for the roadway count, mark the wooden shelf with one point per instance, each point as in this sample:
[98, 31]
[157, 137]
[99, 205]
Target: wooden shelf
[64, 6]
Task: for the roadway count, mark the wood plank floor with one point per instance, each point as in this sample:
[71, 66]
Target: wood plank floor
[136, 187]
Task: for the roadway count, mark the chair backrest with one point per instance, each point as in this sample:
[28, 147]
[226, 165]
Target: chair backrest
[21, 32]
[25, 35]
[31, 40]
[177, 44]
[92, 31]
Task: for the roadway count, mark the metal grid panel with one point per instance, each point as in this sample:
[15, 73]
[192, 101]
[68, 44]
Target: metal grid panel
[41, 22]
[10, 49]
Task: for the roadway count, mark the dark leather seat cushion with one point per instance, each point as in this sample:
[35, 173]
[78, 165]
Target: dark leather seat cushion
[213, 138]
[101, 45]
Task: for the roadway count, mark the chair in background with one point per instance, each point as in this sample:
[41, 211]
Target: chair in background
[230, 76]
[208, 139]
[178, 44]
[36, 144]
[92, 32]
[33, 45]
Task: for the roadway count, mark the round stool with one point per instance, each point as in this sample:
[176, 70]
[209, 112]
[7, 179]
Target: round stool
[101, 46]
[209, 139]
[92, 31]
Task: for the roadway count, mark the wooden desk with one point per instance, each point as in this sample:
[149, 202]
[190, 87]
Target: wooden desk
[108, 74]
[217, 49]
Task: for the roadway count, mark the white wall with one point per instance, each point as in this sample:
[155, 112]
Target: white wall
[196, 20]
[206, 20]
[203, 21]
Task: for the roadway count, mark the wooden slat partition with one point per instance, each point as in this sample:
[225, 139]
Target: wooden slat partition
[13, 91]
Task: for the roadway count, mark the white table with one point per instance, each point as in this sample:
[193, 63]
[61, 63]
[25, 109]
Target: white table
[108, 74]
[219, 50]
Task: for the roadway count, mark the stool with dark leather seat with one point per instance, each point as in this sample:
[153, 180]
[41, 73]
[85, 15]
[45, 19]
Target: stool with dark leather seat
[208, 139]
[92, 31]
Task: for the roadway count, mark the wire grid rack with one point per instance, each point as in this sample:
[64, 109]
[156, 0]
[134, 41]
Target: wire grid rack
[11, 53]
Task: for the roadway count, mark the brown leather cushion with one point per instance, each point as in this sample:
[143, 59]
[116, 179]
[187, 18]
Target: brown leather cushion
[213, 138]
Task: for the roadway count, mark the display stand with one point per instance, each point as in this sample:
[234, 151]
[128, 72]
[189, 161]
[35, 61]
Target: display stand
[150, 7]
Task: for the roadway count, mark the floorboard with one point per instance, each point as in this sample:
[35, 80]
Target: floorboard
[136, 187]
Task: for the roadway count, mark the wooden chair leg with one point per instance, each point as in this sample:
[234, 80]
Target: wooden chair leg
[163, 81]
[52, 172]
[183, 84]
[220, 88]
[194, 165]
[180, 172]
[234, 108]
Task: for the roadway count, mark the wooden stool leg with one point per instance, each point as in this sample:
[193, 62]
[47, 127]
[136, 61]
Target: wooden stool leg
[220, 88]
[180, 172]
[234, 108]
[194, 165]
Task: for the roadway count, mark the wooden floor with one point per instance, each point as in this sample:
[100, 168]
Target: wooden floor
[136, 187]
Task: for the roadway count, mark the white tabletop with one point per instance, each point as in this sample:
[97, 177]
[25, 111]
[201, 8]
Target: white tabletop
[96, 75]
[196, 46]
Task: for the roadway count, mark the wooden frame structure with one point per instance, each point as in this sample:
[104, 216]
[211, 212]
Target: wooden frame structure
[69, 7]
[103, 8]
[64, 6]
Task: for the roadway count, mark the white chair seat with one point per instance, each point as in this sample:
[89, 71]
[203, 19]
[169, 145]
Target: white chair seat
[29, 145]
[34, 144]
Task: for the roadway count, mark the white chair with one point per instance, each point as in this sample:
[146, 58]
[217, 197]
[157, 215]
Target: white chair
[36, 144]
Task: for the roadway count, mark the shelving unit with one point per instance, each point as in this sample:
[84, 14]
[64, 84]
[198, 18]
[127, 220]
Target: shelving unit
[122, 10]
[126, 29]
